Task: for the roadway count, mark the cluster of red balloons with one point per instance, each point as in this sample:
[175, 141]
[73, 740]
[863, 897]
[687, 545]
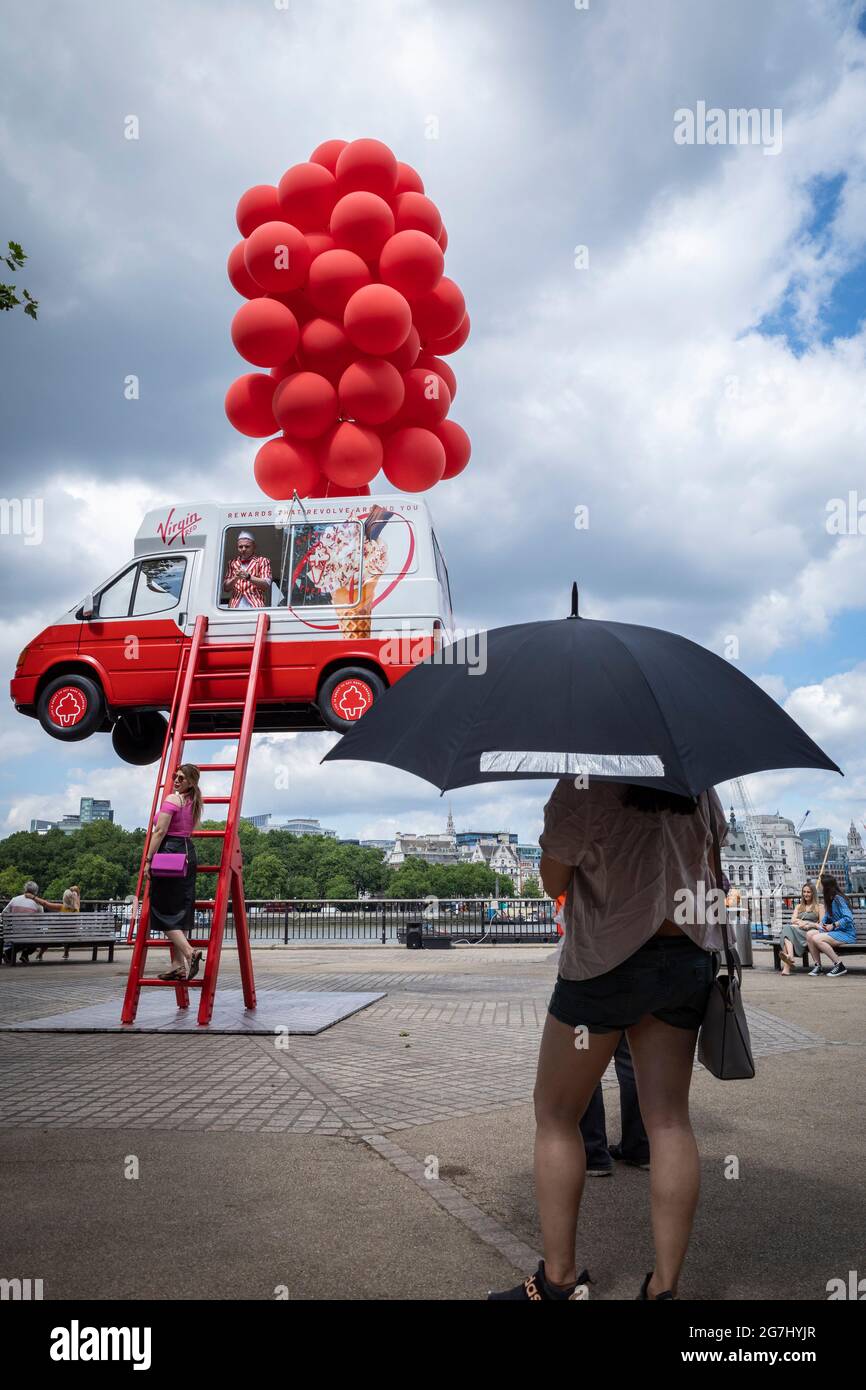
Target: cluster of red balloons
[342, 266]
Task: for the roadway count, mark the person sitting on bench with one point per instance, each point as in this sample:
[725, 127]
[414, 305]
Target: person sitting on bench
[840, 920]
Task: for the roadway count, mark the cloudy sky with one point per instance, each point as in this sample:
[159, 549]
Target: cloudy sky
[699, 385]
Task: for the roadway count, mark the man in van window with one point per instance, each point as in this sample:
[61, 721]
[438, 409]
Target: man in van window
[248, 580]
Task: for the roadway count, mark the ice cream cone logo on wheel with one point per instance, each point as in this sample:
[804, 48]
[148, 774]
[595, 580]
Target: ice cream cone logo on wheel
[351, 698]
[67, 706]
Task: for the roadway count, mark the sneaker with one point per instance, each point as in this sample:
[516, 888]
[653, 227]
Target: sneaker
[535, 1289]
[817, 970]
[617, 1153]
[838, 969]
[600, 1172]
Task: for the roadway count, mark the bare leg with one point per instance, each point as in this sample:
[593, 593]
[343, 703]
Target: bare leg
[181, 951]
[824, 943]
[814, 953]
[787, 950]
[567, 1077]
[663, 1061]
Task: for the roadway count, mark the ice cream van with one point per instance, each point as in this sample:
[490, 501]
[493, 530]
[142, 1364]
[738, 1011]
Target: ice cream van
[356, 589]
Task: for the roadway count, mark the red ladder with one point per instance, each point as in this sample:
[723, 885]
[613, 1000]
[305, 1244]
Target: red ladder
[229, 870]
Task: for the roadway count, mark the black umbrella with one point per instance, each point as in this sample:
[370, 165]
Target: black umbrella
[615, 701]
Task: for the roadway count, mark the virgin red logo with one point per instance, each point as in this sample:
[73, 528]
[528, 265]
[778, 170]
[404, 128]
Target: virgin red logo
[169, 530]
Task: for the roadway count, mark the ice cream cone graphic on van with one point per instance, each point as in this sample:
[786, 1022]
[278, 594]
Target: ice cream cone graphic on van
[354, 612]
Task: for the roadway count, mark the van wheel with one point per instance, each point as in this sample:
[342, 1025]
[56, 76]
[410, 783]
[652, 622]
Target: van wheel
[139, 738]
[346, 695]
[71, 708]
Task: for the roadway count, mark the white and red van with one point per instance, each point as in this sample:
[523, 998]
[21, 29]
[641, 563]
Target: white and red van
[340, 577]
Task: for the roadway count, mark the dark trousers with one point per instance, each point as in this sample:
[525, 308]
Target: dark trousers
[634, 1144]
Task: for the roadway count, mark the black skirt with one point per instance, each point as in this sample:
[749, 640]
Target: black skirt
[172, 900]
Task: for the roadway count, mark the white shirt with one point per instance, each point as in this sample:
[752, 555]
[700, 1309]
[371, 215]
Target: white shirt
[21, 903]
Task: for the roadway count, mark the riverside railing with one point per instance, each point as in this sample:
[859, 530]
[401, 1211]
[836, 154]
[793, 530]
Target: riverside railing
[381, 920]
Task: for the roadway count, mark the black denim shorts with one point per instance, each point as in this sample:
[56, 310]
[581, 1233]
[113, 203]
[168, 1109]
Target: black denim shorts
[669, 977]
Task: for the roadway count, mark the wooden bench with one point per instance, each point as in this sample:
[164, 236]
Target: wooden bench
[31, 930]
[841, 949]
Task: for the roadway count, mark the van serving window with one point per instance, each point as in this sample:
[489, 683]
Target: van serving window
[252, 564]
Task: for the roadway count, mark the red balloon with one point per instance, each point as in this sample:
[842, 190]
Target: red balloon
[264, 332]
[458, 449]
[240, 277]
[287, 369]
[325, 348]
[328, 153]
[414, 459]
[305, 405]
[407, 354]
[351, 455]
[319, 243]
[415, 213]
[439, 313]
[257, 205]
[443, 346]
[411, 262]
[307, 194]
[250, 405]
[427, 400]
[285, 466]
[368, 165]
[377, 319]
[362, 222]
[443, 238]
[371, 391]
[334, 278]
[408, 179]
[436, 364]
[277, 257]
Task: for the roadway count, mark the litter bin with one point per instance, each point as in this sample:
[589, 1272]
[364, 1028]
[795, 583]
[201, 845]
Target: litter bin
[744, 943]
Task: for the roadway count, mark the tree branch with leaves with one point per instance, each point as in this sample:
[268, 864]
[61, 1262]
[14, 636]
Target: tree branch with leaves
[8, 298]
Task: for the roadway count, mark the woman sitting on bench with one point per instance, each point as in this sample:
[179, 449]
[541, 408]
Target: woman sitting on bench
[840, 919]
[71, 903]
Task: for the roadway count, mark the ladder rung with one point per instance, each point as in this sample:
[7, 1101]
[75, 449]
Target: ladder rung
[173, 984]
[217, 704]
[205, 902]
[224, 738]
[208, 868]
[216, 767]
[203, 834]
[226, 647]
[193, 941]
[218, 675]
[214, 800]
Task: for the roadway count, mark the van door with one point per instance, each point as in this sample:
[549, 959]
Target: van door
[139, 627]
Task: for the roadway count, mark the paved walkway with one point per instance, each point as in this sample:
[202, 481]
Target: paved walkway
[391, 1156]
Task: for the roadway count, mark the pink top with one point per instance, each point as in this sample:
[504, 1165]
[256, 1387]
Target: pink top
[181, 822]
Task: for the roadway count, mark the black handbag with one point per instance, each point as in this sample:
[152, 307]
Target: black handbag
[724, 1045]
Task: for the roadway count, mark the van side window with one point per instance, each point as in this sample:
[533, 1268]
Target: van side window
[326, 564]
[159, 585]
[442, 574]
[114, 600]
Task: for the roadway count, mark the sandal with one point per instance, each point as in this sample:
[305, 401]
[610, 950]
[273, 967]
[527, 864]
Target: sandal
[176, 975]
[194, 964]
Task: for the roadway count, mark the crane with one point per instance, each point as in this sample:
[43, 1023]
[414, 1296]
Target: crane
[760, 876]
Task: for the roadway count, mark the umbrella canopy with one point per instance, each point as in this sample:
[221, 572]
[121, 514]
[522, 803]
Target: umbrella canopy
[552, 699]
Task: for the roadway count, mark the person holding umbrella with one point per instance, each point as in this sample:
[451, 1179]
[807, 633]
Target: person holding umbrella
[638, 725]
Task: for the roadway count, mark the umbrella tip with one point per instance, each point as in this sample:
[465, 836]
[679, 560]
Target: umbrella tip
[574, 613]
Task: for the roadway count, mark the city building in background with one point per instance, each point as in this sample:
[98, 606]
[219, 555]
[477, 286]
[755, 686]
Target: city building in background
[296, 825]
[782, 848]
[90, 809]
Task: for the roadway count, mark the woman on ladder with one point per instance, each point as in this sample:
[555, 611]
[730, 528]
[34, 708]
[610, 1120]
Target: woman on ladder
[172, 898]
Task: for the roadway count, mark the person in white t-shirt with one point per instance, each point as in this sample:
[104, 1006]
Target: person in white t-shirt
[21, 903]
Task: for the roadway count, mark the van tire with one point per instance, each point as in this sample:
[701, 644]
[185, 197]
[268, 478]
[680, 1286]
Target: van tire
[348, 684]
[138, 738]
[71, 707]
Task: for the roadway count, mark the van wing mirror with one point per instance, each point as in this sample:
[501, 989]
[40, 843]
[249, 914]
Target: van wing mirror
[88, 607]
